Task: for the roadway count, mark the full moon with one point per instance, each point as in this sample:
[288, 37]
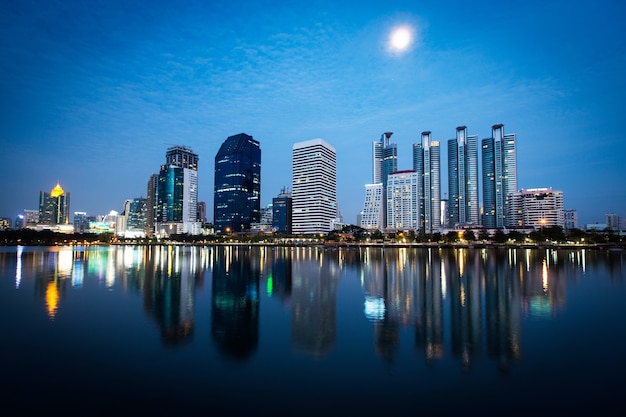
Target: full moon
[400, 39]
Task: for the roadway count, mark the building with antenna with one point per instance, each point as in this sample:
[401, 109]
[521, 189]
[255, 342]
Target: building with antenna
[54, 207]
[176, 194]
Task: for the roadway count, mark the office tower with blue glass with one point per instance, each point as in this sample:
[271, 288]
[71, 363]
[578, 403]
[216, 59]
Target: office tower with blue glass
[237, 194]
[464, 207]
[427, 164]
[177, 193]
[499, 160]
[282, 207]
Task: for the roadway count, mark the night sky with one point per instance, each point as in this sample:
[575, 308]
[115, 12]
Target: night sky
[92, 93]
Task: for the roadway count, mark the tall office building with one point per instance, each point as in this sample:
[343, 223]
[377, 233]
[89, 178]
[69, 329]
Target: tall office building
[384, 162]
[237, 195]
[54, 207]
[373, 209]
[427, 164]
[499, 156]
[177, 193]
[402, 201]
[151, 204]
[314, 170]
[390, 158]
[463, 179]
[282, 207]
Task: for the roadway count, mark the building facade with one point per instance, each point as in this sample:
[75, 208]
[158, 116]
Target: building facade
[427, 164]
[176, 206]
[537, 207]
[372, 213]
[570, 218]
[54, 207]
[403, 201]
[499, 158]
[464, 206]
[613, 222]
[314, 170]
[282, 207]
[237, 194]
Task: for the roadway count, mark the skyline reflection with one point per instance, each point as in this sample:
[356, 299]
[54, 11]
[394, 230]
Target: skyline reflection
[469, 302]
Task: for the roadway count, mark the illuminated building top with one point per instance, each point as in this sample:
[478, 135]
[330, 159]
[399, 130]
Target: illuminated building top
[57, 191]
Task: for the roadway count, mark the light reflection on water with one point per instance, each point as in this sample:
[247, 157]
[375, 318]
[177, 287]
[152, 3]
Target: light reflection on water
[455, 308]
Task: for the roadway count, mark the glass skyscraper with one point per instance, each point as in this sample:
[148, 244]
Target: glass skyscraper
[281, 212]
[384, 162]
[237, 195]
[54, 207]
[499, 157]
[427, 164]
[314, 170]
[177, 193]
[463, 179]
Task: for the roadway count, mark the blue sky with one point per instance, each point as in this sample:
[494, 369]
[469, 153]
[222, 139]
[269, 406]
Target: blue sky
[93, 92]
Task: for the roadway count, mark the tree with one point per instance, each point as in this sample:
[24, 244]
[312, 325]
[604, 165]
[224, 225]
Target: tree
[469, 235]
[499, 236]
[484, 235]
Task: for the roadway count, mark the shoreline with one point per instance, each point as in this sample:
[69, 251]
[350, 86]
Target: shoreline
[334, 245]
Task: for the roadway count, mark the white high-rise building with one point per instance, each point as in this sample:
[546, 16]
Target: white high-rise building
[314, 189]
[402, 201]
[384, 162]
[372, 214]
[537, 207]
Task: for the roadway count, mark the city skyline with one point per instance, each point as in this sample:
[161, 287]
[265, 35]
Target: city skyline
[92, 94]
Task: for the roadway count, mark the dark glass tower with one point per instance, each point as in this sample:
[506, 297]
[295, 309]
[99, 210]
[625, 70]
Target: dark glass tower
[463, 179]
[499, 176]
[281, 212]
[177, 192]
[54, 207]
[237, 199]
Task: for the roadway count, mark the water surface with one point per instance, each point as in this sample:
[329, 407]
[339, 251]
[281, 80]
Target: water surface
[175, 330]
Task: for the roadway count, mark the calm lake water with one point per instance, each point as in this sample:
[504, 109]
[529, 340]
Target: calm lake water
[174, 330]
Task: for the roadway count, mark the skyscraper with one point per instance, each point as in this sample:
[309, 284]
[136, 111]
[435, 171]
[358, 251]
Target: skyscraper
[499, 158]
[384, 162]
[282, 207]
[237, 198]
[314, 170]
[427, 164]
[402, 201]
[463, 179]
[54, 207]
[151, 204]
[177, 193]
[372, 214]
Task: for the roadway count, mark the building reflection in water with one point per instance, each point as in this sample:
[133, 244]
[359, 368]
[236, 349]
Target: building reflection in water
[468, 303]
[313, 297]
[474, 295]
[235, 301]
[168, 282]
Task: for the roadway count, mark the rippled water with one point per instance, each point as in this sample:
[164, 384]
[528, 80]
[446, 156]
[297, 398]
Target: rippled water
[175, 330]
